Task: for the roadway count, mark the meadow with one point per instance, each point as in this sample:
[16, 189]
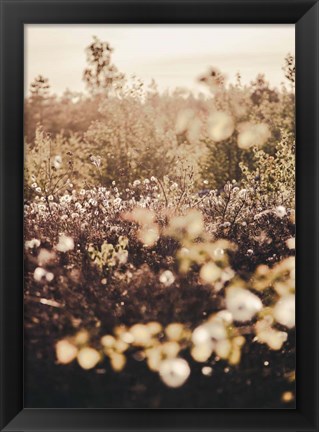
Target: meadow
[159, 243]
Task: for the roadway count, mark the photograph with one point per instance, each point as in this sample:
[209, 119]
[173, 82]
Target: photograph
[159, 216]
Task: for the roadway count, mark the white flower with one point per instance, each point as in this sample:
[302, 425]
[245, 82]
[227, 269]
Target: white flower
[40, 274]
[291, 243]
[183, 120]
[201, 335]
[30, 244]
[167, 278]
[220, 126]
[88, 358]
[45, 256]
[252, 135]
[210, 272]
[136, 183]
[243, 193]
[57, 162]
[216, 329]
[174, 372]
[284, 311]
[242, 303]
[117, 201]
[281, 211]
[65, 351]
[93, 202]
[65, 243]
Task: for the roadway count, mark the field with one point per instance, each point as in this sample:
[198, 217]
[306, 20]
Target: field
[160, 243]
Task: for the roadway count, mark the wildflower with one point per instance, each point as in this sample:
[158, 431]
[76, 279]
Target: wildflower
[136, 183]
[281, 211]
[223, 348]
[96, 160]
[117, 201]
[118, 361]
[268, 335]
[40, 274]
[242, 303]
[141, 334]
[220, 126]
[201, 353]
[201, 335]
[57, 162]
[108, 341]
[33, 243]
[216, 329]
[243, 193]
[183, 120]
[65, 243]
[65, 351]
[209, 272]
[167, 278]
[291, 243]
[284, 311]
[174, 372]
[34, 185]
[149, 236]
[93, 202]
[207, 370]
[174, 331]
[154, 327]
[88, 358]
[251, 134]
[45, 256]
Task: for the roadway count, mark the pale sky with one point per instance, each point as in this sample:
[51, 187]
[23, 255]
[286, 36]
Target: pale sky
[173, 55]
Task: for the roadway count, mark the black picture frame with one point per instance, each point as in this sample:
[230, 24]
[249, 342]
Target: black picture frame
[14, 14]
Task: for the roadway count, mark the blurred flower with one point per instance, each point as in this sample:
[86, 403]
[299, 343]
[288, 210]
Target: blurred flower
[220, 126]
[33, 243]
[284, 311]
[57, 162]
[291, 243]
[210, 272]
[281, 211]
[88, 358]
[65, 351]
[141, 334]
[65, 243]
[167, 278]
[270, 336]
[242, 303]
[174, 372]
[40, 274]
[183, 120]
[251, 134]
[174, 331]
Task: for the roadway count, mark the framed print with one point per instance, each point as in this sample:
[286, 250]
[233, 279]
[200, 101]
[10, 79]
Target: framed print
[159, 206]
